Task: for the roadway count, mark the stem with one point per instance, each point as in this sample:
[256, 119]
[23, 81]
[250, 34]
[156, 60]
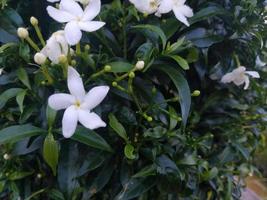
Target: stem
[39, 34]
[78, 48]
[131, 92]
[47, 75]
[124, 36]
[237, 60]
[32, 44]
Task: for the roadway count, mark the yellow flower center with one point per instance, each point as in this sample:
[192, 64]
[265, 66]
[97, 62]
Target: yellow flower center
[77, 104]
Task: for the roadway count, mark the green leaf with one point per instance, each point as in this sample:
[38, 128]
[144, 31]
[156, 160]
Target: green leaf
[154, 29]
[16, 133]
[8, 94]
[188, 160]
[173, 121]
[183, 88]
[20, 99]
[210, 174]
[17, 175]
[129, 151]
[119, 67]
[182, 62]
[117, 127]
[91, 138]
[156, 132]
[23, 77]
[135, 187]
[51, 152]
[50, 115]
[206, 13]
[146, 171]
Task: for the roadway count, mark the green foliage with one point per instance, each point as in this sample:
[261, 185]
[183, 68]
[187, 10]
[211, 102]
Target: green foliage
[161, 142]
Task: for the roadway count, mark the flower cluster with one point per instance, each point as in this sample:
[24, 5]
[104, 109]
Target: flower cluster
[78, 16]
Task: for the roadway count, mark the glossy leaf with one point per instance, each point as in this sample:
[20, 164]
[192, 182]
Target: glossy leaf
[117, 127]
[8, 94]
[23, 77]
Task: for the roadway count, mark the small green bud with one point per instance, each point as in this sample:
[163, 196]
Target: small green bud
[87, 47]
[63, 59]
[107, 68]
[154, 90]
[73, 62]
[43, 83]
[131, 74]
[196, 93]
[34, 21]
[149, 119]
[114, 84]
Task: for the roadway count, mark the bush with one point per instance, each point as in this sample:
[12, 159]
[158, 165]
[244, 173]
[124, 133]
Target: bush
[174, 130]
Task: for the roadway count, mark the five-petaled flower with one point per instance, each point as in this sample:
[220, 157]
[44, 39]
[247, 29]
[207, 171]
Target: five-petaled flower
[77, 19]
[181, 11]
[78, 104]
[240, 76]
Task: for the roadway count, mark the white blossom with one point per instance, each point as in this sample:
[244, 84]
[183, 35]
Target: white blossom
[240, 76]
[77, 19]
[56, 46]
[78, 104]
[181, 11]
[146, 6]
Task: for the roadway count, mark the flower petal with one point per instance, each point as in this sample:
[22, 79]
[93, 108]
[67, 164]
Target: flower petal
[53, 1]
[180, 16]
[254, 74]
[165, 6]
[59, 15]
[73, 33]
[60, 101]
[186, 11]
[227, 78]
[92, 10]
[94, 97]
[246, 83]
[91, 25]
[69, 121]
[71, 6]
[75, 84]
[90, 120]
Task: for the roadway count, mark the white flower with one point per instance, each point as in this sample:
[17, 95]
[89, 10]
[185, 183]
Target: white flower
[84, 2]
[146, 6]
[77, 19]
[240, 76]
[78, 104]
[1, 71]
[56, 46]
[181, 11]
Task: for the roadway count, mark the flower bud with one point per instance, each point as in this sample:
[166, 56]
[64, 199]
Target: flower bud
[107, 68]
[140, 65]
[132, 75]
[39, 176]
[22, 33]
[149, 119]
[39, 58]
[196, 93]
[63, 59]
[6, 156]
[87, 47]
[34, 21]
[114, 84]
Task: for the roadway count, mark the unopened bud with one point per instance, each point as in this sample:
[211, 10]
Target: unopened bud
[140, 65]
[62, 59]
[149, 119]
[22, 33]
[114, 84]
[34, 21]
[6, 156]
[39, 58]
[87, 47]
[39, 176]
[107, 68]
[196, 93]
[73, 62]
[132, 75]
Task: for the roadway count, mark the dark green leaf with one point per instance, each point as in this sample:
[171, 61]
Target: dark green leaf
[51, 152]
[117, 127]
[91, 138]
[129, 151]
[16, 133]
[20, 99]
[51, 116]
[182, 62]
[119, 67]
[8, 94]
[23, 77]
